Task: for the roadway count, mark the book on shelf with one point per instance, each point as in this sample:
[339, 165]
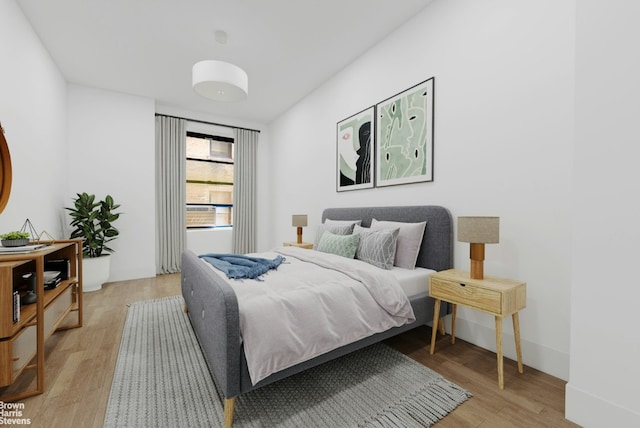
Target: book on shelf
[62, 265]
[22, 249]
[52, 278]
[16, 306]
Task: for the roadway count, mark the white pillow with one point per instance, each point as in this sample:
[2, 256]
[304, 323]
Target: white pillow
[330, 222]
[409, 240]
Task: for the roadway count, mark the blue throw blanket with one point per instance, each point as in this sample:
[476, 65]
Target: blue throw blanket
[238, 266]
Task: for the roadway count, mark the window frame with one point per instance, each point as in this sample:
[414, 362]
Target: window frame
[210, 137]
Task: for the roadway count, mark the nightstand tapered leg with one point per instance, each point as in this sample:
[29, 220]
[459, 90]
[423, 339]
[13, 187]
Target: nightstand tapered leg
[516, 333]
[434, 329]
[499, 352]
[453, 323]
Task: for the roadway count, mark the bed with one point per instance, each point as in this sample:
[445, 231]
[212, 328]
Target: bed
[213, 309]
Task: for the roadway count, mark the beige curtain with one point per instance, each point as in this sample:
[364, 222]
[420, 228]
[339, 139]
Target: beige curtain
[244, 191]
[171, 232]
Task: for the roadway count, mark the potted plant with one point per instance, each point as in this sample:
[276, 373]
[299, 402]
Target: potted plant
[15, 239]
[93, 222]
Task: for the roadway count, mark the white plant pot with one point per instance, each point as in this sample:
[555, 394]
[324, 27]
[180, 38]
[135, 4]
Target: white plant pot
[95, 272]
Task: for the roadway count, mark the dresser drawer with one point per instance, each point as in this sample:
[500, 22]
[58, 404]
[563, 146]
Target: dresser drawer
[56, 311]
[15, 353]
[466, 294]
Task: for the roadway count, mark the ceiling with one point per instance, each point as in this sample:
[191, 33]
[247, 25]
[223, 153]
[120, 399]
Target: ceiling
[148, 47]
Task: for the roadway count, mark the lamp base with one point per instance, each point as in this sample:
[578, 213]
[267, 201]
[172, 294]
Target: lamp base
[476, 254]
[299, 235]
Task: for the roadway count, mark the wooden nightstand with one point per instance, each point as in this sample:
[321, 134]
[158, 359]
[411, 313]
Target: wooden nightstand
[496, 296]
[306, 245]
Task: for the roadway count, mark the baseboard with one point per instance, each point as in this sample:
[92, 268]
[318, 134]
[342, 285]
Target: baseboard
[588, 410]
[547, 360]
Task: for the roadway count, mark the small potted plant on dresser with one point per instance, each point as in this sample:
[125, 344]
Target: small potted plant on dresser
[93, 222]
[15, 239]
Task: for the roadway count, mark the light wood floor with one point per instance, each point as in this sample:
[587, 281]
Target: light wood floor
[80, 363]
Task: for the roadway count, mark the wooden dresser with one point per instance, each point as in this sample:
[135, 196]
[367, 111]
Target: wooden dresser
[24, 328]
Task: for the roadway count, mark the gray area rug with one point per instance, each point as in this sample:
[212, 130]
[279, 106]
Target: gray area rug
[162, 380]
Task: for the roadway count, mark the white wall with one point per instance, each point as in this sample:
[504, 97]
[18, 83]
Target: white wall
[503, 146]
[112, 151]
[605, 340]
[67, 139]
[202, 241]
[33, 113]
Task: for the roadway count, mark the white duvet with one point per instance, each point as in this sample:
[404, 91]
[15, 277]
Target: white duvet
[313, 303]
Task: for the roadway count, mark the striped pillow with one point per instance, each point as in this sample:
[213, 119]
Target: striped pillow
[377, 247]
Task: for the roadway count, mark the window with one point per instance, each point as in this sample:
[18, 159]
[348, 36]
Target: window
[209, 181]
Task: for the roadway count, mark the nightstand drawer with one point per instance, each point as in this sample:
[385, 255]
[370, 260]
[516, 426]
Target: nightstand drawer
[466, 294]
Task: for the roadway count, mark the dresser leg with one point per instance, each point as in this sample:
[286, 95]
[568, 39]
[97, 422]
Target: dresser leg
[434, 327]
[516, 333]
[499, 352]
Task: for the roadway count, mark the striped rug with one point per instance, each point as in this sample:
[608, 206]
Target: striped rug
[161, 380]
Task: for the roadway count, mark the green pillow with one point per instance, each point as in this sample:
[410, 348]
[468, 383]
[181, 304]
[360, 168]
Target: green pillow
[342, 245]
[338, 229]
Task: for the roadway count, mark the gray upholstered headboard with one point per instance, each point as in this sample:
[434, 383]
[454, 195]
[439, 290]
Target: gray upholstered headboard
[436, 251]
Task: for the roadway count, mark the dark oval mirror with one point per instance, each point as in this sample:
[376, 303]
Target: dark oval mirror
[5, 171]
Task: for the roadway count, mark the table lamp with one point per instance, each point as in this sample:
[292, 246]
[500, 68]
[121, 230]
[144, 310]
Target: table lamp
[299, 221]
[478, 231]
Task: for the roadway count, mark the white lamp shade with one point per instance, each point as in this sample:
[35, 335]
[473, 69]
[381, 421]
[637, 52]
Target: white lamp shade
[220, 81]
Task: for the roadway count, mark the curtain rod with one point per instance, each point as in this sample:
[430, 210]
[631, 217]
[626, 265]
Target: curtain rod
[208, 123]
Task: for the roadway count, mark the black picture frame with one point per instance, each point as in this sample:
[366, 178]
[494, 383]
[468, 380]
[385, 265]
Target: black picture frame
[354, 151]
[404, 136]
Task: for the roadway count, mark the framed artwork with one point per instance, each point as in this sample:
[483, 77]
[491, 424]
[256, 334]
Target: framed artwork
[354, 151]
[404, 136]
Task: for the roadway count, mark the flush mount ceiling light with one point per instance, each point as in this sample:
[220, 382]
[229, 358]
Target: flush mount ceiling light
[220, 81]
